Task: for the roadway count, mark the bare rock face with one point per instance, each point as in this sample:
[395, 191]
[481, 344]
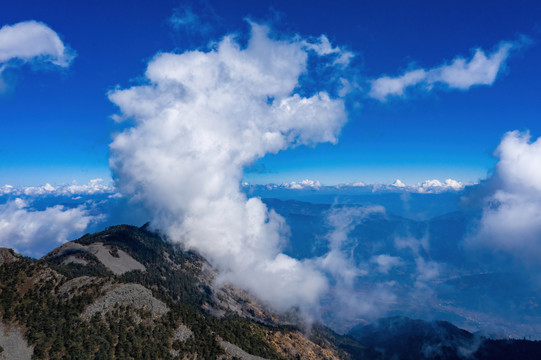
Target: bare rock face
[14, 345]
[235, 352]
[294, 345]
[73, 286]
[118, 264]
[182, 333]
[8, 256]
[72, 259]
[135, 295]
[116, 260]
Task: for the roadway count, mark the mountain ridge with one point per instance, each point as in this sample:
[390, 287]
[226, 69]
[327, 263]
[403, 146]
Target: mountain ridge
[128, 293]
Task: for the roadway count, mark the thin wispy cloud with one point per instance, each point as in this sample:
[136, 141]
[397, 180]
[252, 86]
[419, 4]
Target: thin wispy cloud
[200, 22]
[185, 18]
[460, 74]
[323, 47]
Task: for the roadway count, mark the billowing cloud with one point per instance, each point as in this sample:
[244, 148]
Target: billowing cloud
[511, 219]
[459, 74]
[30, 41]
[202, 118]
[35, 232]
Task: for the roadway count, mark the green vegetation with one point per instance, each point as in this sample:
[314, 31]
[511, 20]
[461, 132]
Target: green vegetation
[31, 295]
[72, 270]
[246, 334]
[178, 282]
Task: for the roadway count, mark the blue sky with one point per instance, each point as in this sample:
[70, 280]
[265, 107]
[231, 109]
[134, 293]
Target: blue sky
[56, 125]
[182, 101]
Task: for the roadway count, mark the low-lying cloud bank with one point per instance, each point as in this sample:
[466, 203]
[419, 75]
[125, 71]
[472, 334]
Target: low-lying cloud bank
[427, 187]
[34, 232]
[94, 186]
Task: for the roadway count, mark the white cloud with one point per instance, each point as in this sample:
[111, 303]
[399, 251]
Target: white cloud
[95, 186]
[339, 261]
[427, 270]
[459, 74]
[323, 47]
[384, 86]
[6, 189]
[35, 232]
[304, 184]
[33, 41]
[413, 244]
[511, 219]
[201, 119]
[358, 184]
[435, 186]
[480, 70]
[386, 262]
[519, 158]
[428, 186]
[344, 270]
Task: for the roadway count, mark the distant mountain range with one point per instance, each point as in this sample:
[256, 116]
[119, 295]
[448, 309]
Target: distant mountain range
[126, 293]
[407, 339]
[469, 289]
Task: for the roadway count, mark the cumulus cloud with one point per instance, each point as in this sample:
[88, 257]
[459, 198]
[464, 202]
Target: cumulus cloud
[34, 232]
[511, 219]
[202, 117]
[459, 74]
[32, 41]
